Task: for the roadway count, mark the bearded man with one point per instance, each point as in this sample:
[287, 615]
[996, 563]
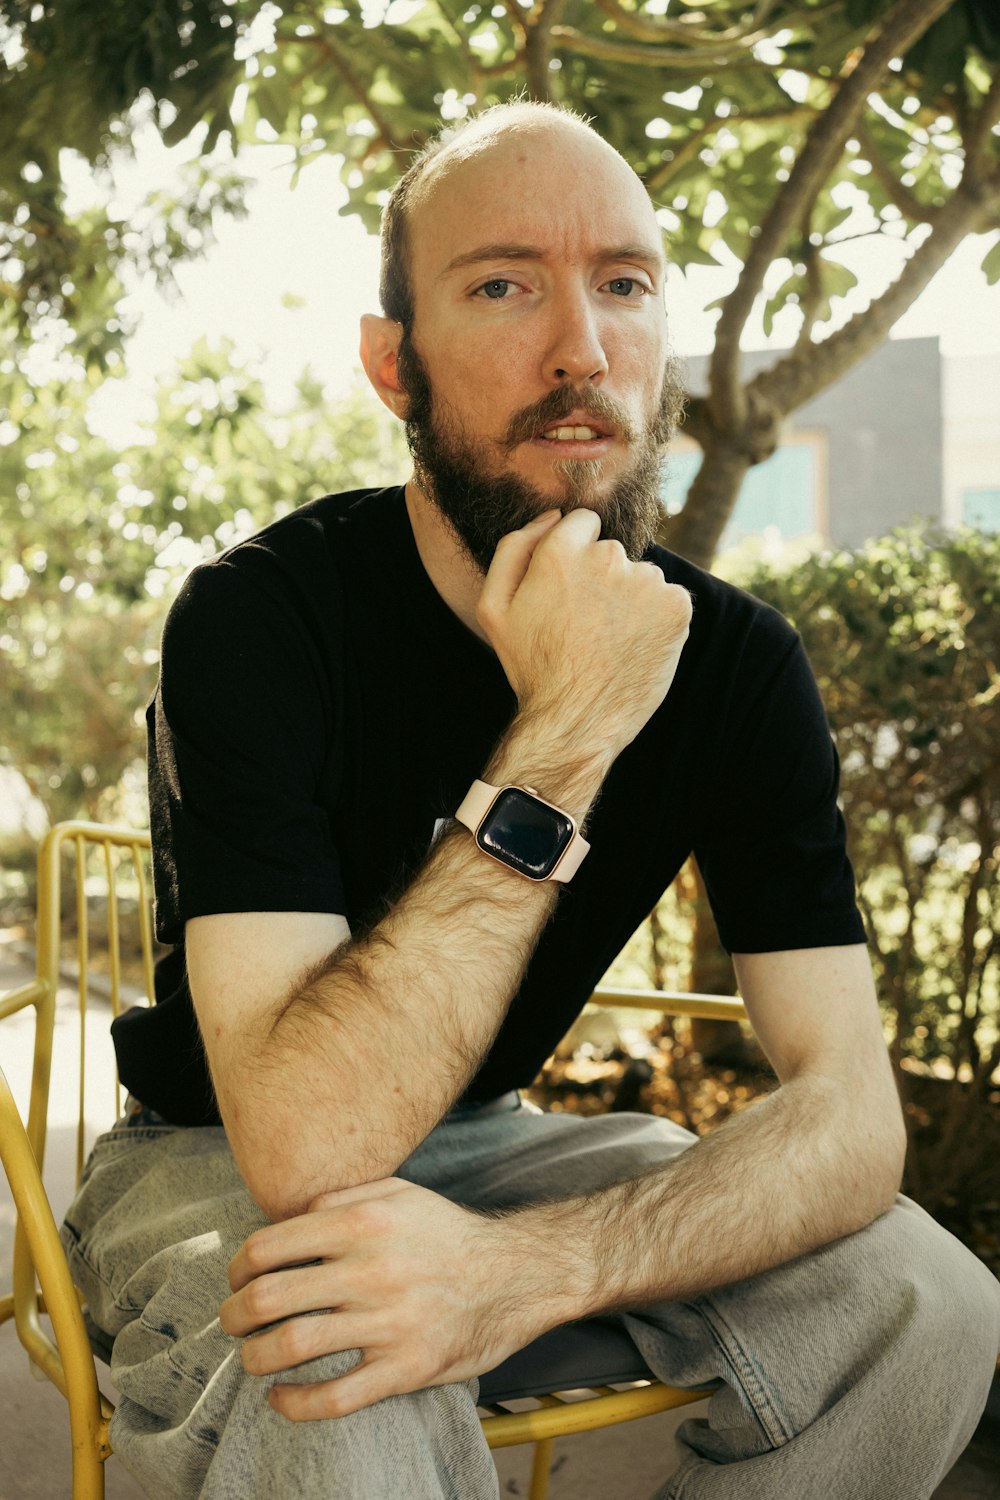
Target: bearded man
[383, 727]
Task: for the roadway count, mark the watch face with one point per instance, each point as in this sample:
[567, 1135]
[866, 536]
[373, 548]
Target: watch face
[525, 833]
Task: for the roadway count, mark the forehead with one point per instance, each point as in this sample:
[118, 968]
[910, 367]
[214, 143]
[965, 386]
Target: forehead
[556, 186]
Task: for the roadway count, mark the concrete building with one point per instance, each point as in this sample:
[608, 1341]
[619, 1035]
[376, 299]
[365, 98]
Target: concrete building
[904, 437]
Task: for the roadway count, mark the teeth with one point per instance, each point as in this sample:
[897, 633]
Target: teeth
[571, 434]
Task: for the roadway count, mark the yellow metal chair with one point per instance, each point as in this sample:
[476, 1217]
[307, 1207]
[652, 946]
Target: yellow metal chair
[103, 860]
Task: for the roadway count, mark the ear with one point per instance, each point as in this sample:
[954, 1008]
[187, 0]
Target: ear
[380, 339]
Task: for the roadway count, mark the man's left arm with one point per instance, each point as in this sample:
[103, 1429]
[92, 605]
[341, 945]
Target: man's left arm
[432, 1292]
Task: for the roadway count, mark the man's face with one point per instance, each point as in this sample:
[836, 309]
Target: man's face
[537, 371]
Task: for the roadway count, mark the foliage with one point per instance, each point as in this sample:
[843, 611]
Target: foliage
[769, 134]
[93, 543]
[760, 130]
[712, 101]
[903, 639]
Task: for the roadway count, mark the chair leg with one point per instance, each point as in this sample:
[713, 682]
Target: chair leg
[540, 1466]
[88, 1477]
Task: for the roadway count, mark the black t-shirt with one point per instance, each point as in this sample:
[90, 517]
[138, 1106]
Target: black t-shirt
[320, 708]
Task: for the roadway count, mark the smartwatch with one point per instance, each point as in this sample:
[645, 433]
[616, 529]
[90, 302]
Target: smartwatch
[516, 826]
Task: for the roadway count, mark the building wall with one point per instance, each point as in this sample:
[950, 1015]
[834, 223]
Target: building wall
[877, 438]
[972, 440]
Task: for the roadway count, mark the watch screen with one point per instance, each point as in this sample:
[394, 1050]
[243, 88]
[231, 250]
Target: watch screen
[525, 834]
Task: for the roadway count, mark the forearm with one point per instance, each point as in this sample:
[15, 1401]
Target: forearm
[353, 1069]
[786, 1176]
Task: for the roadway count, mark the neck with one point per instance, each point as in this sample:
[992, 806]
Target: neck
[447, 564]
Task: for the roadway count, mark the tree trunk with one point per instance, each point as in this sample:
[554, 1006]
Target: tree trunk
[695, 531]
[719, 1042]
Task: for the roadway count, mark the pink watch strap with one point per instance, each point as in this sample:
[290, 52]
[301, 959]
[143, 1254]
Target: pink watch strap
[480, 798]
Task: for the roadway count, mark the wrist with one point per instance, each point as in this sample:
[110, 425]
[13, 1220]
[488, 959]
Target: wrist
[540, 751]
[550, 1253]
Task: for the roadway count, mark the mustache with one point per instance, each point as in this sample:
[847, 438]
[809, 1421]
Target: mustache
[529, 421]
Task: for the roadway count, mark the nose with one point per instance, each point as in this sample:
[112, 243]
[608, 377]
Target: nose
[575, 352]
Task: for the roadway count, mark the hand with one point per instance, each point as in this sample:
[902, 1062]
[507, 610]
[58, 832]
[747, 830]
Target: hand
[581, 632]
[422, 1287]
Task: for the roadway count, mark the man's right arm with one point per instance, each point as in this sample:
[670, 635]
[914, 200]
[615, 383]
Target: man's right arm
[333, 1057]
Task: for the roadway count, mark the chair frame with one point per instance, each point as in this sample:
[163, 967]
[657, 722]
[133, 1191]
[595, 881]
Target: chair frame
[41, 1278]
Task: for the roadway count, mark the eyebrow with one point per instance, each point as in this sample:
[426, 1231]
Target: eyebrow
[502, 251]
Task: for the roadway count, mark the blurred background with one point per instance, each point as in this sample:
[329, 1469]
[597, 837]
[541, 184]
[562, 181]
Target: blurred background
[189, 196]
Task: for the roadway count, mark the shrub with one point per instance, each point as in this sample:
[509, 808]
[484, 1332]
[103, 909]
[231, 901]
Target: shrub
[903, 637]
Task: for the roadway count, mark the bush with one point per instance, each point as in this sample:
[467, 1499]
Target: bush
[904, 642]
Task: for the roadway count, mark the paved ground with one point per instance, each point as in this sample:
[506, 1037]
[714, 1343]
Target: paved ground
[625, 1463]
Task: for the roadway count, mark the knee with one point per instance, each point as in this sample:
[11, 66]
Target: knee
[935, 1307]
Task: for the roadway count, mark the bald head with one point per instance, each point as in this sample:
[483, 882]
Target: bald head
[485, 157]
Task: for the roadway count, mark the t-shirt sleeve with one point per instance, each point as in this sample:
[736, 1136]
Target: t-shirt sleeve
[774, 855]
[242, 734]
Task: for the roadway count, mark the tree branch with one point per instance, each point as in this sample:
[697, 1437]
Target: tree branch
[516, 14]
[802, 375]
[656, 29]
[904, 24]
[814, 294]
[978, 133]
[539, 40]
[696, 422]
[357, 88]
[689, 146]
[720, 54]
[908, 203]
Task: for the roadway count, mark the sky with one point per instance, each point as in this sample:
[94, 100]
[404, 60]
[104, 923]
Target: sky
[289, 283]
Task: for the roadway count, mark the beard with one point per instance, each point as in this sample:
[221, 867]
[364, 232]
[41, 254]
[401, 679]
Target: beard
[482, 502]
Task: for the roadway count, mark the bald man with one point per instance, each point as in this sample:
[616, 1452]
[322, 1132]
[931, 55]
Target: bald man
[421, 759]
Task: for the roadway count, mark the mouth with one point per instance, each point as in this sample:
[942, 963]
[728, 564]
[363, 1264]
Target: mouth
[577, 427]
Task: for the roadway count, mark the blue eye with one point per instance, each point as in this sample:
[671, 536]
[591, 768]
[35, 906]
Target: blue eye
[621, 286]
[495, 289]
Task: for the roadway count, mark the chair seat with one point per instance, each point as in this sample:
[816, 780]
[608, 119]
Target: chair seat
[595, 1352]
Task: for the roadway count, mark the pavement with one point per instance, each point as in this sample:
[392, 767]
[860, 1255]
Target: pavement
[622, 1463]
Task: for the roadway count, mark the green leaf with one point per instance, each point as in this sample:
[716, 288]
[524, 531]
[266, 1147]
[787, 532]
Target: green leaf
[991, 264]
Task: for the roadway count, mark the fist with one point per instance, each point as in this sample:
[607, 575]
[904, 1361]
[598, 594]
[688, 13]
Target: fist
[583, 634]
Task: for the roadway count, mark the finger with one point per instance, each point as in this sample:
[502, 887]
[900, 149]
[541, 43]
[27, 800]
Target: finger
[367, 1383]
[511, 558]
[383, 1187]
[577, 526]
[301, 1339]
[294, 1242]
[282, 1294]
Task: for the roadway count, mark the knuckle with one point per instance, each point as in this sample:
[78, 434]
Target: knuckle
[487, 612]
[611, 548]
[680, 603]
[299, 1340]
[341, 1397]
[260, 1298]
[511, 541]
[370, 1217]
[254, 1253]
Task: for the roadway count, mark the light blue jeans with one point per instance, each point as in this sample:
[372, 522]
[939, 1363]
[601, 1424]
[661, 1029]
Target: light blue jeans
[855, 1373]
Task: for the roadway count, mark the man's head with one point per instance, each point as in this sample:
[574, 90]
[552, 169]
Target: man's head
[524, 338]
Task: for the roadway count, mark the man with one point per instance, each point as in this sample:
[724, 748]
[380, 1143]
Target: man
[333, 693]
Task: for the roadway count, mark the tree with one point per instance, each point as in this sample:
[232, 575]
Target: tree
[768, 131]
[95, 542]
[760, 130]
[902, 635]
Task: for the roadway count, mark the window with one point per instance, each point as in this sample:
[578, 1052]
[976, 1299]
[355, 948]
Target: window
[783, 493]
[981, 508]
